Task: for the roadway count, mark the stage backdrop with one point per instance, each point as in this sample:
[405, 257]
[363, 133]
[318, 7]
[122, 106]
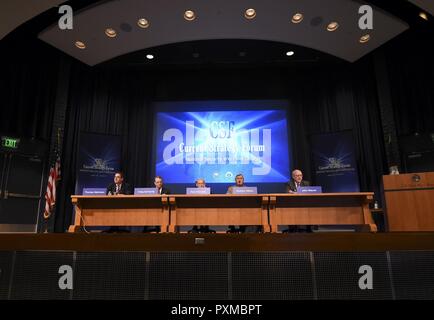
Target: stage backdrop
[98, 158]
[334, 160]
[217, 145]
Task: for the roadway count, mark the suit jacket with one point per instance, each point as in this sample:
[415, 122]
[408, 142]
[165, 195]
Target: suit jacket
[125, 189]
[164, 190]
[291, 185]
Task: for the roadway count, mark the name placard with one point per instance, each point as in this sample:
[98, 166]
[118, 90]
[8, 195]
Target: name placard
[244, 190]
[94, 191]
[145, 191]
[198, 191]
[312, 189]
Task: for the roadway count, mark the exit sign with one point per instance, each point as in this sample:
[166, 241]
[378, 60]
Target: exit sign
[11, 143]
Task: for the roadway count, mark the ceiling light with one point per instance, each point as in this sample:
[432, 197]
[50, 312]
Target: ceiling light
[111, 33]
[332, 26]
[365, 38]
[250, 13]
[189, 15]
[290, 53]
[296, 18]
[143, 23]
[80, 45]
[423, 15]
[149, 56]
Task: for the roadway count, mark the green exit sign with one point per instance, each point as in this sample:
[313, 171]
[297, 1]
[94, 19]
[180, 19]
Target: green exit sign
[11, 143]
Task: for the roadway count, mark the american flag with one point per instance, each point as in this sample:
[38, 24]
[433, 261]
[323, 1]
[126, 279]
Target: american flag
[50, 194]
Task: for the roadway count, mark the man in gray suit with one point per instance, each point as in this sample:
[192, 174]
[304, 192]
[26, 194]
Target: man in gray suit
[239, 182]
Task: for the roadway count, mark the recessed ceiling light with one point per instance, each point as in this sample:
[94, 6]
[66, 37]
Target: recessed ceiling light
[297, 18]
[143, 23]
[290, 53]
[250, 13]
[111, 33]
[423, 15]
[80, 45]
[332, 26]
[365, 38]
[149, 56]
[189, 15]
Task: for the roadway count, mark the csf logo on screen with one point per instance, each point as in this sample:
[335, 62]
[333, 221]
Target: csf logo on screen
[222, 129]
[216, 145]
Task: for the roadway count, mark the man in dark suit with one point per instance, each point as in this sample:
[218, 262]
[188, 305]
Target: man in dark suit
[118, 187]
[159, 184]
[291, 187]
[296, 181]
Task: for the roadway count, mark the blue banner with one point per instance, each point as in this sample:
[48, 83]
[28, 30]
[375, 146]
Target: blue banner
[334, 160]
[99, 157]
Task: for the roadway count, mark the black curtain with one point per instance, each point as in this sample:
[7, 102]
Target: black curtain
[27, 89]
[106, 102]
[334, 99]
[411, 75]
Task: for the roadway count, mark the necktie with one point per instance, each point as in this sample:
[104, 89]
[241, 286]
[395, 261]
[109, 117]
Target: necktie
[117, 189]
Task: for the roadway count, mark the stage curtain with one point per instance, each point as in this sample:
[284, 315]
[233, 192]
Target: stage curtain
[107, 102]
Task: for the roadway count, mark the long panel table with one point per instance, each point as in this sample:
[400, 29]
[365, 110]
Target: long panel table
[266, 210]
[219, 210]
[322, 209]
[120, 210]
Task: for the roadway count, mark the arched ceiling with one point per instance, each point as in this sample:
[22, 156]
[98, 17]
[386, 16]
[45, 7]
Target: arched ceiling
[223, 19]
[218, 19]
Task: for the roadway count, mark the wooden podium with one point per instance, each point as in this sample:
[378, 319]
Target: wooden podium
[322, 209]
[120, 210]
[218, 210]
[409, 201]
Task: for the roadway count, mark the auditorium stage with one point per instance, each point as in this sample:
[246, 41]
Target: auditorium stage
[336, 241]
[217, 266]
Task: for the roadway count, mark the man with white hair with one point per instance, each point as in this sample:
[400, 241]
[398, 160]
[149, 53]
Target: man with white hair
[296, 181]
